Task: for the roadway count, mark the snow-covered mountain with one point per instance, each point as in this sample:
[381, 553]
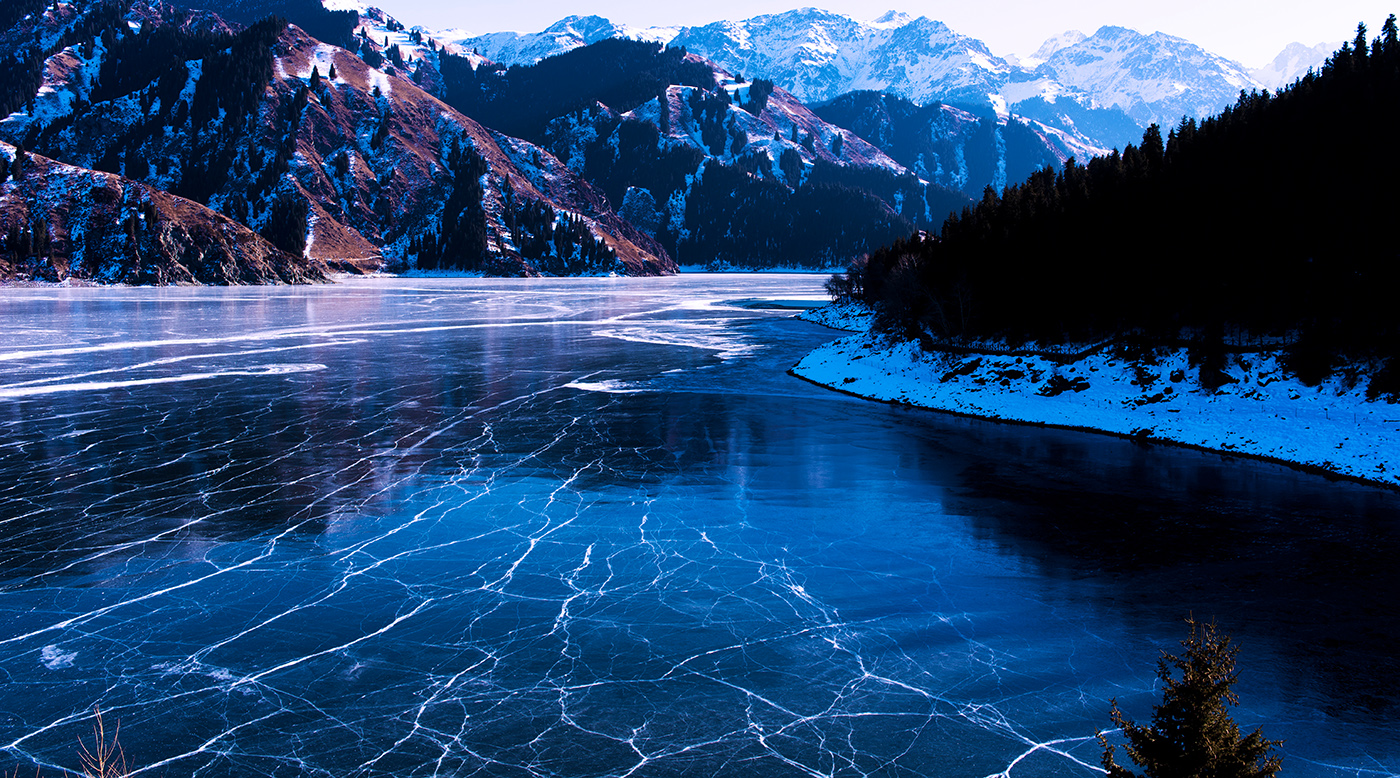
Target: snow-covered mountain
[1081, 85]
[1153, 78]
[818, 55]
[813, 54]
[1293, 63]
[1052, 45]
[567, 34]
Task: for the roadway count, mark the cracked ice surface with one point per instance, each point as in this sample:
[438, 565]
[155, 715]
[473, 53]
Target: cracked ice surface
[590, 528]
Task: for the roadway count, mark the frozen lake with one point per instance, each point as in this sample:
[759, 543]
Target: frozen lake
[590, 527]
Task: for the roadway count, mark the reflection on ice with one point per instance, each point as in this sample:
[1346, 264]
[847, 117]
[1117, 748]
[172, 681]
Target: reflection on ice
[710, 336]
[30, 388]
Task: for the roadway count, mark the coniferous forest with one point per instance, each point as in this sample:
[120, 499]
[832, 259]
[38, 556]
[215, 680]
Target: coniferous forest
[1271, 222]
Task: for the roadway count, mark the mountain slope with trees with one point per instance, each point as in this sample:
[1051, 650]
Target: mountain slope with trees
[1263, 224]
[954, 147]
[310, 146]
[59, 222]
[721, 170]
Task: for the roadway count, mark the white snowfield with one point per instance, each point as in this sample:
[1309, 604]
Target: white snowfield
[1263, 413]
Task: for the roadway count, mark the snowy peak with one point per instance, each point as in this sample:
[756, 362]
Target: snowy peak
[1052, 45]
[1293, 63]
[567, 34]
[813, 53]
[1153, 78]
[894, 19]
[588, 28]
[818, 55]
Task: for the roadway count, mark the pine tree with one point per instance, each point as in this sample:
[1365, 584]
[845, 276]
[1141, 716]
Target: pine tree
[331, 74]
[1152, 147]
[1192, 734]
[315, 78]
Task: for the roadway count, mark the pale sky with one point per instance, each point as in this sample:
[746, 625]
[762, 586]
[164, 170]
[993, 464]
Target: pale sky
[1249, 31]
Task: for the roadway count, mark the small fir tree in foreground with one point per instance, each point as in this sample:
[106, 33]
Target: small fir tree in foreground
[1192, 734]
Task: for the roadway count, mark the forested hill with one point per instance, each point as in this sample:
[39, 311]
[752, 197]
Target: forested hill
[719, 169]
[1272, 221]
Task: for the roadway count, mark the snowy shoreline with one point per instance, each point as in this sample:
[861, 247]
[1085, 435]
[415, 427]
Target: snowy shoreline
[1264, 413]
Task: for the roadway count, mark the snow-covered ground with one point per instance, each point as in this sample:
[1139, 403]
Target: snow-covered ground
[1264, 412]
[856, 318]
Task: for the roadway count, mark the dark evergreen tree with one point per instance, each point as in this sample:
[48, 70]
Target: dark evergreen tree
[1191, 733]
[663, 108]
[381, 133]
[759, 92]
[463, 240]
[286, 224]
[369, 53]
[790, 162]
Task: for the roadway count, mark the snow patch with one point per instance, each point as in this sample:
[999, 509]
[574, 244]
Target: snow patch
[606, 387]
[55, 658]
[841, 316]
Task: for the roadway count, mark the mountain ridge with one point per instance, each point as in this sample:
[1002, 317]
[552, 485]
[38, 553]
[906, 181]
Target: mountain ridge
[819, 55]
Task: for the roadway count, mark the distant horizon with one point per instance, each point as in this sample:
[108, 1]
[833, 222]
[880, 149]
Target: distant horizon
[1246, 31]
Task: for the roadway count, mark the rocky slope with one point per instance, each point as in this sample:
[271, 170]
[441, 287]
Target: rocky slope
[59, 222]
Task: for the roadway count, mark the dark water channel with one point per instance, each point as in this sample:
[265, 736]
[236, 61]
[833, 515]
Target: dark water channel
[592, 528]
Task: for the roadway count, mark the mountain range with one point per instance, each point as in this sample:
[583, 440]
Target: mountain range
[220, 145]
